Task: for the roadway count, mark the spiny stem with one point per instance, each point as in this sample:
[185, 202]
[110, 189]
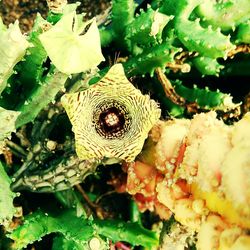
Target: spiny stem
[41, 97]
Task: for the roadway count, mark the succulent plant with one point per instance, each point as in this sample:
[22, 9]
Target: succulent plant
[66, 113]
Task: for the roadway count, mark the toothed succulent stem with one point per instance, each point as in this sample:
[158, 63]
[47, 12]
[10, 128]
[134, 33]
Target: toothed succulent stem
[205, 41]
[243, 33]
[7, 209]
[81, 231]
[206, 98]
[122, 15]
[31, 69]
[146, 62]
[150, 59]
[62, 173]
[146, 29]
[224, 14]
[207, 65]
[42, 96]
[107, 36]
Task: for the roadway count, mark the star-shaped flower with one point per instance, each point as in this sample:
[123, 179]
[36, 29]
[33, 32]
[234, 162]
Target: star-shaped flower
[111, 119]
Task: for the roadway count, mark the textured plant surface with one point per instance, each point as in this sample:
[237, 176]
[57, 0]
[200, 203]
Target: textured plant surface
[126, 130]
[201, 171]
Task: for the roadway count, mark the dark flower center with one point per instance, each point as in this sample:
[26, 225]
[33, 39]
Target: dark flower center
[111, 120]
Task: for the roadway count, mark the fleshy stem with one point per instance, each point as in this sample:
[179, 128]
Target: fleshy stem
[43, 95]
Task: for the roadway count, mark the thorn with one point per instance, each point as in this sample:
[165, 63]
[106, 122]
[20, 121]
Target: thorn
[210, 28]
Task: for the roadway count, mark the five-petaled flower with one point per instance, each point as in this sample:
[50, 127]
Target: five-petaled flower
[111, 119]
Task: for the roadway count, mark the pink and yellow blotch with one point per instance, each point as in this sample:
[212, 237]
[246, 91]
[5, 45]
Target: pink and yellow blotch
[199, 171]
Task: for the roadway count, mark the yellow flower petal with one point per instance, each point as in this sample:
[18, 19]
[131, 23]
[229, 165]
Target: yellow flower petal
[69, 50]
[111, 119]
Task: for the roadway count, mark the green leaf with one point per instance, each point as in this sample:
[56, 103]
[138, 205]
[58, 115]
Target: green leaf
[70, 50]
[7, 209]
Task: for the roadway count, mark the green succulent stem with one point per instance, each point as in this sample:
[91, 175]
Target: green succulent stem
[122, 15]
[41, 97]
[243, 33]
[30, 70]
[224, 14]
[80, 231]
[7, 209]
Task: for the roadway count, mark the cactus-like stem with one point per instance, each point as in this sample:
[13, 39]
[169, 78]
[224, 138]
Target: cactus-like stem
[243, 33]
[224, 14]
[42, 96]
[122, 15]
[146, 29]
[60, 175]
[150, 59]
[46, 151]
[107, 36]
[207, 37]
[208, 41]
[205, 41]
[206, 98]
[207, 65]
[30, 70]
[146, 62]
[81, 231]
[7, 210]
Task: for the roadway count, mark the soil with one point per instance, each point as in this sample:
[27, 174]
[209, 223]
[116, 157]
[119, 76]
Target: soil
[25, 10]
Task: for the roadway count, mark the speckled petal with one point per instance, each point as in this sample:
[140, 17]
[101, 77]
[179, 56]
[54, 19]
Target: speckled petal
[114, 90]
